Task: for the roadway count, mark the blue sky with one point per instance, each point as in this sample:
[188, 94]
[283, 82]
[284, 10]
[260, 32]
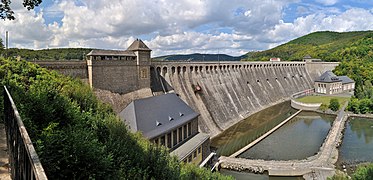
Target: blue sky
[185, 26]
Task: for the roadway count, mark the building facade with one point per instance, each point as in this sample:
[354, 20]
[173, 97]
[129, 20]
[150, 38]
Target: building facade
[329, 83]
[168, 121]
[120, 71]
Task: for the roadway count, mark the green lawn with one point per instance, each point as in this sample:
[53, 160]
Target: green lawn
[322, 99]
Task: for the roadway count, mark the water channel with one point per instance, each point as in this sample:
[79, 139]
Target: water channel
[299, 138]
[244, 132]
[357, 144]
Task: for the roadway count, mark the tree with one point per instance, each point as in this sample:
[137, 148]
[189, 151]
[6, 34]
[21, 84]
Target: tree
[1, 44]
[7, 13]
[334, 104]
[323, 107]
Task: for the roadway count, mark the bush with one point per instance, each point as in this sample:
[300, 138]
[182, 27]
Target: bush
[323, 107]
[363, 172]
[77, 136]
[334, 104]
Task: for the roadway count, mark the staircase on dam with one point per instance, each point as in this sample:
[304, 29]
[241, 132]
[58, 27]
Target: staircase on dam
[229, 92]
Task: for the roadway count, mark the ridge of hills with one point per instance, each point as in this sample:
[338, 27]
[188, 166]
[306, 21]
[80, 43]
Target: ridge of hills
[325, 45]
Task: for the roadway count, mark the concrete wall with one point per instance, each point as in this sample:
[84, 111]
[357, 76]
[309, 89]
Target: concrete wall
[233, 91]
[315, 69]
[305, 106]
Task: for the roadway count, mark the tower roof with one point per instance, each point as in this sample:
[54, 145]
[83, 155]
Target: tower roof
[137, 45]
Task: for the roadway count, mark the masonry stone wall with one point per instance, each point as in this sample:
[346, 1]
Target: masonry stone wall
[232, 91]
[119, 76]
[76, 69]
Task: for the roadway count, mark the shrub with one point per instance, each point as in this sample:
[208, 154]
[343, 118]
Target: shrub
[77, 136]
[334, 104]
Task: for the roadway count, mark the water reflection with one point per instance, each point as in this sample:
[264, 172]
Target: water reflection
[357, 145]
[300, 138]
[251, 128]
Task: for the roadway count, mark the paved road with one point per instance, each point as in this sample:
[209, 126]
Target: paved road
[4, 175]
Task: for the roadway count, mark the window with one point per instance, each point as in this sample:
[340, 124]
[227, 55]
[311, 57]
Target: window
[185, 132]
[190, 158]
[144, 73]
[189, 129]
[194, 154]
[156, 141]
[174, 134]
[163, 140]
[199, 150]
[180, 134]
[169, 140]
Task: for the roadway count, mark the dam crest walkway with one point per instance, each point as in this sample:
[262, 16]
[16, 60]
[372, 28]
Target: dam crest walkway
[319, 166]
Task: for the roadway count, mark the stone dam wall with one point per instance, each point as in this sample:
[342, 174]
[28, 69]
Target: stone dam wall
[230, 92]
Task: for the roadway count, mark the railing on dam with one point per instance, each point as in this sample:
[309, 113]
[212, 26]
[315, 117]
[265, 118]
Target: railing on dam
[24, 161]
[164, 67]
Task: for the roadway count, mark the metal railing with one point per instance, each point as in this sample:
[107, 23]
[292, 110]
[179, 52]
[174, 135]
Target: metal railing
[24, 162]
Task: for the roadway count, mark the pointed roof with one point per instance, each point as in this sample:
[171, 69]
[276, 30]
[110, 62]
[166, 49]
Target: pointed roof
[307, 57]
[156, 115]
[346, 79]
[328, 77]
[138, 45]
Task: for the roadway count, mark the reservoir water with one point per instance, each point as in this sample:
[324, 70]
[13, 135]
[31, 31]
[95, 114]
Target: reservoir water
[247, 130]
[357, 144]
[299, 138]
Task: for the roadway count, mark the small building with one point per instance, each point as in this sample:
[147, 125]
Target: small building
[308, 58]
[329, 83]
[168, 121]
[275, 59]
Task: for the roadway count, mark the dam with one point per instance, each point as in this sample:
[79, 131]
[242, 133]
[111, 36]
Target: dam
[231, 91]
[223, 93]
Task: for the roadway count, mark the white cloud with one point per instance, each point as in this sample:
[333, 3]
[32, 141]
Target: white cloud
[355, 19]
[183, 26]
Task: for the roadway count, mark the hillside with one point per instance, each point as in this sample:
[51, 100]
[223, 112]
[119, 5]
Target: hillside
[48, 54]
[78, 137]
[324, 45]
[198, 57]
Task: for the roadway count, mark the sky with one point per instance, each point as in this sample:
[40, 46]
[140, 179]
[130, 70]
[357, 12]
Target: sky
[233, 27]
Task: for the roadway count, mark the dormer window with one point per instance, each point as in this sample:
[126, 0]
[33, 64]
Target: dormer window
[170, 118]
[157, 123]
[181, 114]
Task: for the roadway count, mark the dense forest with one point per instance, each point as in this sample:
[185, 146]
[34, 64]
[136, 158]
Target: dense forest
[198, 57]
[357, 63]
[47, 54]
[323, 45]
[78, 137]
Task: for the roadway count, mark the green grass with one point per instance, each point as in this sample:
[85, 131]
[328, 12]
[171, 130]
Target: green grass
[322, 99]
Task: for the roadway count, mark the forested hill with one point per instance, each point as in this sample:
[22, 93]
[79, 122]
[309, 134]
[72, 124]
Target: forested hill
[198, 57]
[48, 54]
[325, 45]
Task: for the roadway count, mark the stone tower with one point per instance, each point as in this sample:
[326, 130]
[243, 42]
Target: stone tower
[142, 52]
[120, 71]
